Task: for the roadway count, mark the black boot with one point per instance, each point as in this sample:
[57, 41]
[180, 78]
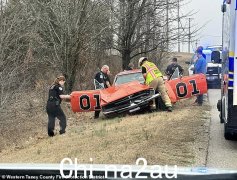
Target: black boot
[169, 109]
[50, 133]
[62, 131]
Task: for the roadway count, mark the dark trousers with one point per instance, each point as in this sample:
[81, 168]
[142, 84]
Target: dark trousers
[199, 99]
[97, 114]
[53, 113]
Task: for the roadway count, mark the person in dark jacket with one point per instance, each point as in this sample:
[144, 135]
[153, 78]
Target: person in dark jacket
[53, 107]
[171, 68]
[101, 81]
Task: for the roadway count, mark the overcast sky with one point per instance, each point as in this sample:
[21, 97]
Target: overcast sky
[208, 14]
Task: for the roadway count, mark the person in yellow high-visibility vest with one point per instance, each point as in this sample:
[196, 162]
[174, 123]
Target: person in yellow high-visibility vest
[154, 78]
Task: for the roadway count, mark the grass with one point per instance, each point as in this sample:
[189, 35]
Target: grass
[161, 138]
[177, 138]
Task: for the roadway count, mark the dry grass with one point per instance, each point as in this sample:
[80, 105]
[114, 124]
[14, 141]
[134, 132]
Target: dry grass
[161, 138]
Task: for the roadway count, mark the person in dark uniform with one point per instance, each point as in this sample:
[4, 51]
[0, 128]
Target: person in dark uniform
[53, 107]
[101, 81]
[171, 68]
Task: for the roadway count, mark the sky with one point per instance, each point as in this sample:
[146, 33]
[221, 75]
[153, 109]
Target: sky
[208, 14]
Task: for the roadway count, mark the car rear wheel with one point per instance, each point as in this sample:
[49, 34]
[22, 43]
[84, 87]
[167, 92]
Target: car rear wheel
[220, 110]
[228, 135]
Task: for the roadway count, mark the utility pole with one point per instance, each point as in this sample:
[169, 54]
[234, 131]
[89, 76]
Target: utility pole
[189, 33]
[178, 29]
[196, 43]
[1, 7]
[1, 14]
[167, 24]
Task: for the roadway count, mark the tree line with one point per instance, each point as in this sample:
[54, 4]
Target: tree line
[71, 36]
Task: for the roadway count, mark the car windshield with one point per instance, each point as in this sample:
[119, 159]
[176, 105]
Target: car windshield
[175, 75]
[125, 78]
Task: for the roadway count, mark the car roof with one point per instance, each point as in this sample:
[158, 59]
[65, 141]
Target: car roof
[129, 72]
[206, 51]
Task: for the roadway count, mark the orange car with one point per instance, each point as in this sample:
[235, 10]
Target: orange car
[129, 94]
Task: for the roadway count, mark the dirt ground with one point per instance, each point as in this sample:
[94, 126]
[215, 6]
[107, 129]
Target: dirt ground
[177, 138]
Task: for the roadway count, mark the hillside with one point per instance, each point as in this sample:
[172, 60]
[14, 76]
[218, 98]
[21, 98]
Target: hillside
[179, 137]
[162, 138]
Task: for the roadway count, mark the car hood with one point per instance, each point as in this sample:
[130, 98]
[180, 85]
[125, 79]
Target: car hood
[114, 93]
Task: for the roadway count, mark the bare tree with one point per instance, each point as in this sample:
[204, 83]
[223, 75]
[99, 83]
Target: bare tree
[66, 30]
[68, 36]
[144, 26]
[15, 69]
[42, 36]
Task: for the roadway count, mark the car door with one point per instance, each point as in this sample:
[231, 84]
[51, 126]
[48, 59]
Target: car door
[187, 86]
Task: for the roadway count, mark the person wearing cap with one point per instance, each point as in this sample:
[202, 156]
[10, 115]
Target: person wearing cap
[53, 107]
[200, 67]
[153, 78]
[200, 48]
[171, 68]
[102, 81]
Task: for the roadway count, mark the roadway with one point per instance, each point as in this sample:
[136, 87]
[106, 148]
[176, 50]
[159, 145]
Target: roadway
[221, 153]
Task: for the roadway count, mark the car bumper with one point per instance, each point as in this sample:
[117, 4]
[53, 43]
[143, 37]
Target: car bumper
[133, 107]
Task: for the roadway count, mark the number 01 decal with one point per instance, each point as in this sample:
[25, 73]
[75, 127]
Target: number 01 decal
[97, 98]
[86, 104]
[182, 89]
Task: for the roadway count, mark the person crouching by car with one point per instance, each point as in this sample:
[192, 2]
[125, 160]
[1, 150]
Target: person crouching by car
[53, 107]
[153, 78]
[101, 81]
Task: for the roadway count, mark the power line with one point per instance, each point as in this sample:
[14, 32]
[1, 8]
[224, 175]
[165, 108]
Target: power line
[189, 33]
[178, 29]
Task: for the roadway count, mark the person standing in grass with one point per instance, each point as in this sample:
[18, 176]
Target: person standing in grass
[200, 67]
[101, 81]
[53, 107]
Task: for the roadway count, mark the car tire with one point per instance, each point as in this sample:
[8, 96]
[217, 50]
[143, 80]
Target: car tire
[227, 134]
[220, 110]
